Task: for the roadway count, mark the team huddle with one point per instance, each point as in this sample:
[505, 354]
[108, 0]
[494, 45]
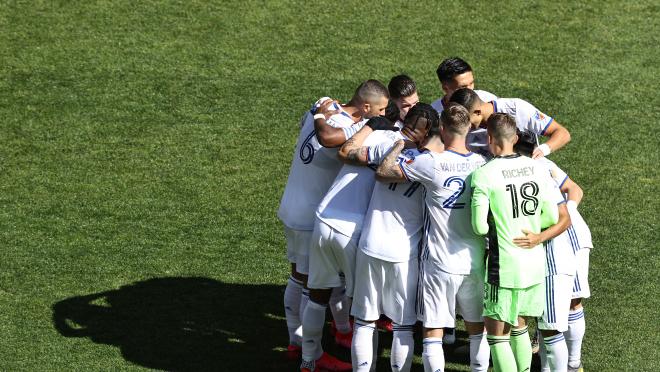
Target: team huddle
[396, 211]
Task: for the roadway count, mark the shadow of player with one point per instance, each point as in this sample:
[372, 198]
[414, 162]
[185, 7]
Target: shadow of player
[184, 324]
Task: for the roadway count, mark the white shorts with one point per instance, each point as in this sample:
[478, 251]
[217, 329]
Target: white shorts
[383, 287]
[331, 258]
[558, 289]
[581, 282]
[297, 248]
[444, 295]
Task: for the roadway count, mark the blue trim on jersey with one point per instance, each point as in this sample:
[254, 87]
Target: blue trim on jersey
[494, 105]
[405, 175]
[546, 127]
[550, 257]
[458, 153]
[562, 202]
[549, 299]
[553, 340]
[368, 155]
[562, 182]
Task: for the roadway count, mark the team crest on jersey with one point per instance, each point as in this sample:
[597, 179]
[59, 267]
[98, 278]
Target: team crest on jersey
[539, 115]
[409, 155]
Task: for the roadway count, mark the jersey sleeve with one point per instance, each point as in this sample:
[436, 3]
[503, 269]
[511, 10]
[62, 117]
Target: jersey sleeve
[480, 204]
[535, 120]
[420, 168]
[376, 153]
[550, 199]
[350, 131]
[557, 173]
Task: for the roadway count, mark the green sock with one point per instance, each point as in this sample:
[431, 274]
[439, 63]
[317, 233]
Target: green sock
[500, 351]
[522, 348]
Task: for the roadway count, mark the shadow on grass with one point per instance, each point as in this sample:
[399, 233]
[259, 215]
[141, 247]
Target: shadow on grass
[201, 324]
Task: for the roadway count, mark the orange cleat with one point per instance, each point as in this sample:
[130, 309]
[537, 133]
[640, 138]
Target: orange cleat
[329, 363]
[344, 339]
[293, 352]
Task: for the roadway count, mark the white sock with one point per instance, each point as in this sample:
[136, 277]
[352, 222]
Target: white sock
[362, 346]
[479, 353]
[375, 353]
[403, 347]
[545, 367]
[292, 297]
[556, 352]
[574, 336]
[340, 306]
[312, 322]
[432, 355]
[304, 299]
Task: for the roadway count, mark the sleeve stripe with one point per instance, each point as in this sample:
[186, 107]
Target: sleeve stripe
[369, 155]
[563, 182]
[562, 202]
[350, 131]
[546, 127]
[404, 172]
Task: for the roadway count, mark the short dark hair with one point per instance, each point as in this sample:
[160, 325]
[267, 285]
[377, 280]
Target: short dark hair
[455, 118]
[526, 143]
[451, 67]
[392, 112]
[501, 127]
[401, 86]
[465, 97]
[370, 91]
[422, 111]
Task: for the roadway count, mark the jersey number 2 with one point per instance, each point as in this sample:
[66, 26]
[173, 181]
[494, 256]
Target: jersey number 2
[450, 203]
[528, 193]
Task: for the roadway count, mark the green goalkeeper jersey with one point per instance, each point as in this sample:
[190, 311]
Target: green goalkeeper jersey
[512, 193]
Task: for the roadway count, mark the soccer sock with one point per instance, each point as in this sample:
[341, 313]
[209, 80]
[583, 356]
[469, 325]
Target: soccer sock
[545, 367]
[479, 353]
[374, 347]
[362, 347]
[432, 354]
[403, 347]
[556, 352]
[312, 323]
[292, 297]
[304, 299]
[340, 306]
[502, 354]
[574, 336]
[522, 348]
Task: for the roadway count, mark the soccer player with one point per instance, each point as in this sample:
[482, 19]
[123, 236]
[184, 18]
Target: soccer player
[386, 263]
[528, 118]
[511, 193]
[334, 241]
[452, 255]
[454, 73]
[579, 237]
[313, 169]
[403, 92]
[560, 248]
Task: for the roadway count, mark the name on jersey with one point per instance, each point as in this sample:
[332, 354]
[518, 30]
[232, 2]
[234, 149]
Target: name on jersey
[520, 172]
[459, 167]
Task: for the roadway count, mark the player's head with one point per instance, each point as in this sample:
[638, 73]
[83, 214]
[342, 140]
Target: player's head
[419, 120]
[403, 91]
[454, 73]
[455, 121]
[392, 111]
[370, 98]
[502, 131]
[469, 99]
[527, 142]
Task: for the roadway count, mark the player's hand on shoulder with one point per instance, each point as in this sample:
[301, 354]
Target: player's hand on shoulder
[381, 123]
[327, 108]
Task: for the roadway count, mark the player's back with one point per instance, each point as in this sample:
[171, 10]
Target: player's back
[313, 169]
[516, 190]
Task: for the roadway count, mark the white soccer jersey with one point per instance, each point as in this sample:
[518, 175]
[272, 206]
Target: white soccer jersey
[449, 240]
[313, 169]
[559, 251]
[393, 224]
[528, 117]
[344, 206]
[477, 139]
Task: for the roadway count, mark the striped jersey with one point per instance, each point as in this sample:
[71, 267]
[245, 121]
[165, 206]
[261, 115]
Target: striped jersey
[393, 224]
[449, 242]
[313, 169]
[512, 193]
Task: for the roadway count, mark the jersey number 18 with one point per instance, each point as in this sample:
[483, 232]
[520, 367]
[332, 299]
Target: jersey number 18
[528, 193]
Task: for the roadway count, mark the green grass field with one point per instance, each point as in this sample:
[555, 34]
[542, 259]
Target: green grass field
[145, 146]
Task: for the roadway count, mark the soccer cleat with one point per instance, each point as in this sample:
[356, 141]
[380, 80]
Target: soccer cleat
[449, 336]
[578, 369]
[344, 339]
[385, 324]
[333, 326]
[329, 363]
[293, 352]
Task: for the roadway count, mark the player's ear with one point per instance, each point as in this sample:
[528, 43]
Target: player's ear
[515, 139]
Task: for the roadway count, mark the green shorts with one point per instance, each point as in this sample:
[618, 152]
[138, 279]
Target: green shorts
[506, 304]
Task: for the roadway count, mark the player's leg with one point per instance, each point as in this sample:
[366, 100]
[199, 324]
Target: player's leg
[576, 321]
[499, 314]
[530, 303]
[366, 310]
[323, 276]
[345, 253]
[470, 304]
[554, 353]
[399, 298]
[294, 288]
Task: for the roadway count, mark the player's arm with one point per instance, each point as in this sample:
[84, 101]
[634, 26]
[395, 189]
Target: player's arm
[480, 205]
[573, 191]
[352, 151]
[389, 170]
[327, 135]
[531, 240]
[558, 137]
